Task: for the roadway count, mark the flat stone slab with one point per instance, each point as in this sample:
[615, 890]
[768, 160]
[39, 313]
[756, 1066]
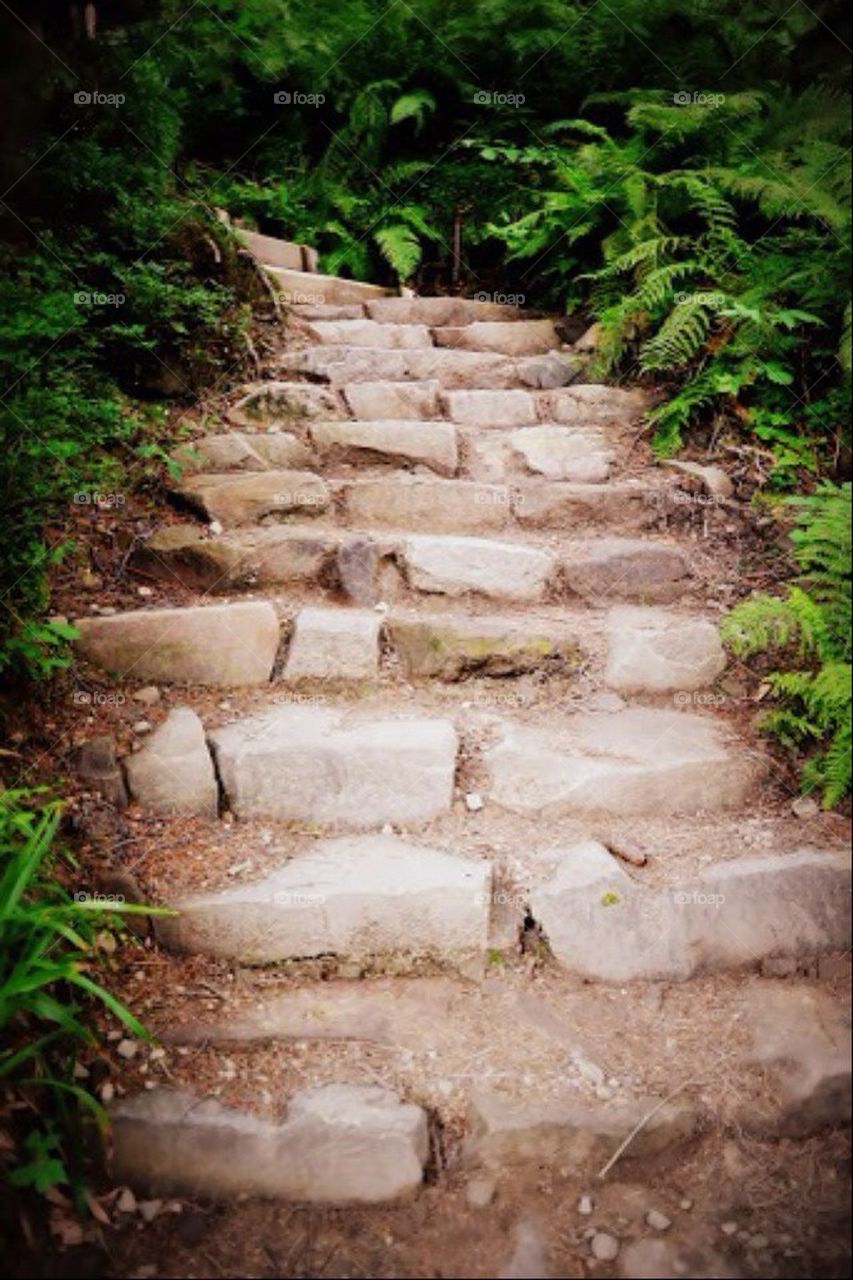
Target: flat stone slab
[334, 645]
[519, 338]
[429, 444]
[603, 925]
[439, 311]
[312, 764]
[801, 1040]
[274, 252]
[374, 401]
[450, 648]
[593, 405]
[340, 1143]
[565, 504]
[286, 402]
[173, 774]
[246, 499]
[656, 651]
[235, 450]
[461, 566]
[223, 644]
[367, 898]
[340, 365]
[602, 570]
[490, 408]
[270, 556]
[563, 453]
[312, 289]
[503, 1131]
[635, 761]
[367, 333]
[423, 504]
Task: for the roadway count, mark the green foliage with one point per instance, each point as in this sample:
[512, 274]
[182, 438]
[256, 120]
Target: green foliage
[48, 955]
[810, 630]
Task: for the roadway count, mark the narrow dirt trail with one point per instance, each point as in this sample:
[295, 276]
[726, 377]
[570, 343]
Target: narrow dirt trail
[498, 948]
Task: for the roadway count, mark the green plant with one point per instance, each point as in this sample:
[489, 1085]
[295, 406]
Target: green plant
[49, 960]
[810, 629]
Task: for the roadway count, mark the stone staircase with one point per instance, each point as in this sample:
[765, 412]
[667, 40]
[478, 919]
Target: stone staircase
[429, 661]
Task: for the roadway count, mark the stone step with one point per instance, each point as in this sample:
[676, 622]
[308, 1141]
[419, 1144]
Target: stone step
[328, 311]
[367, 333]
[380, 401]
[603, 570]
[334, 645]
[339, 365]
[477, 566]
[524, 338]
[234, 499]
[272, 252]
[429, 443]
[422, 504]
[491, 408]
[579, 405]
[184, 555]
[640, 760]
[603, 925]
[173, 775]
[369, 899]
[631, 504]
[318, 290]
[279, 404]
[440, 311]
[448, 647]
[594, 404]
[576, 454]
[313, 764]
[658, 651]
[235, 450]
[339, 1144]
[221, 644]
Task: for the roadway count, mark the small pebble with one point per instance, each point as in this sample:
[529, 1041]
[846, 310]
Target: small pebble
[215, 526]
[805, 807]
[585, 1205]
[126, 1203]
[685, 1204]
[729, 1228]
[107, 1092]
[149, 1209]
[604, 1246]
[142, 726]
[473, 802]
[658, 1221]
[127, 1049]
[145, 591]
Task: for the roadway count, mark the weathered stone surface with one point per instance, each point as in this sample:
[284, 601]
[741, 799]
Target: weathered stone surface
[457, 566]
[591, 404]
[223, 644]
[601, 925]
[257, 557]
[341, 365]
[402, 501]
[328, 311]
[490, 408]
[246, 499]
[521, 338]
[629, 502]
[318, 290]
[96, 764]
[639, 760]
[713, 479]
[312, 764]
[358, 568]
[286, 402]
[607, 569]
[365, 898]
[563, 453]
[801, 1040]
[452, 648]
[272, 251]
[173, 773]
[462, 368]
[556, 369]
[367, 333]
[656, 651]
[573, 1135]
[334, 644]
[375, 401]
[439, 311]
[340, 1143]
[254, 452]
[430, 444]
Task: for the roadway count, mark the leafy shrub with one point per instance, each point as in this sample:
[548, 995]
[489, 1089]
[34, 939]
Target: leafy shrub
[809, 630]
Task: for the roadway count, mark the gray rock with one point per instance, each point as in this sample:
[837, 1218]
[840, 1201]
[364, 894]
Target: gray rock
[459, 566]
[421, 503]
[367, 333]
[173, 773]
[604, 1247]
[96, 764]
[451, 648]
[591, 404]
[334, 644]
[563, 453]
[490, 408]
[340, 1143]
[312, 764]
[523, 338]
[225, 644]
[234, 451]
[374, 401]
[430, 444]
[235, 499]
[368, 898]
[713, 479]
[656, 651]
[439, 311]
[284, 401]
[606, 569]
